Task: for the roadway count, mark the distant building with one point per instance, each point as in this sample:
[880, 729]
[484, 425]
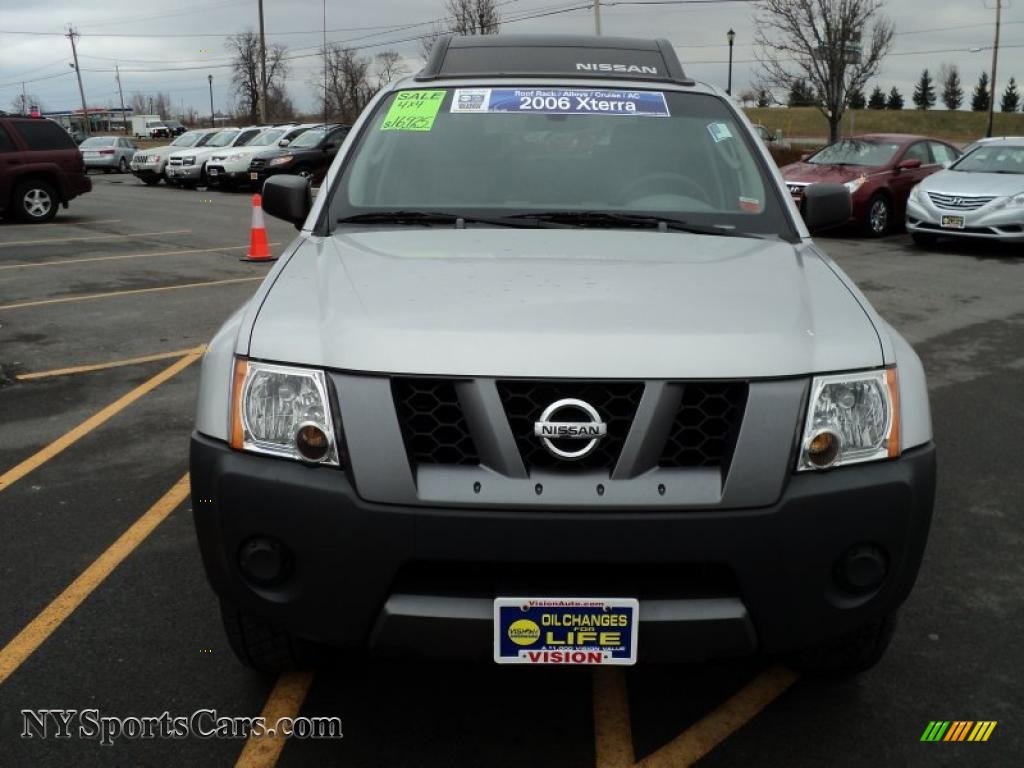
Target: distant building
[101, 119]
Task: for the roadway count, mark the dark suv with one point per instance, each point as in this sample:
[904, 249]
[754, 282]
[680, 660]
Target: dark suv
[309, 155]
[40, 167]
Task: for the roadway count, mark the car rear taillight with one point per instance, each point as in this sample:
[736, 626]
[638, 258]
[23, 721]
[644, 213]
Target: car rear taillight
[106, 151]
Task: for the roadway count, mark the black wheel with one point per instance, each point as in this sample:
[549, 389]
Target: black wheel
[150, 180]
[122, 166]
[852, 653]
[879, 218]
[107, 170]
[264, 646]
[35, 201]
[924, 241]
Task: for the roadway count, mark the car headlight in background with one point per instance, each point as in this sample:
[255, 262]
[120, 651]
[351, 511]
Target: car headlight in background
[281, 160]
[236, 156]
[188, 160]
[851, 418]
[1016, 202]
[917, 194]
[856, 184]
[282, 411]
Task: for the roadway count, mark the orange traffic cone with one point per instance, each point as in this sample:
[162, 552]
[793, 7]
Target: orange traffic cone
[259, 248]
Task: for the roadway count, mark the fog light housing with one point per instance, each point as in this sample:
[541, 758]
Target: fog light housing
[264, 561]
[823, 449]
[862, 569]
[312, 442]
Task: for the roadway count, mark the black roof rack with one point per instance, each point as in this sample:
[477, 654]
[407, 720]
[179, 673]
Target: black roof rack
[579, 56]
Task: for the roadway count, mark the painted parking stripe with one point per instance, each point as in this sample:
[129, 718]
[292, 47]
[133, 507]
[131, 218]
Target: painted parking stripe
[26, 642]
[285, 700]
[62, 222]
[121, 257]
[68, 439]
[95, 237]
[132, 292]
[104, 366]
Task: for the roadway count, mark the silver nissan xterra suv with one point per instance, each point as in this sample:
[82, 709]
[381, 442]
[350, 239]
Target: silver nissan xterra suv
[554, 374]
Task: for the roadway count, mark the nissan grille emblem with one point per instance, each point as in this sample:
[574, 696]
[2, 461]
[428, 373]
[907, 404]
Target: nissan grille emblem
[551, 431]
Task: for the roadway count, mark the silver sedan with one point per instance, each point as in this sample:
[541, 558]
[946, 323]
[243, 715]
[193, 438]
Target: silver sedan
[979, 196]
[111, 153]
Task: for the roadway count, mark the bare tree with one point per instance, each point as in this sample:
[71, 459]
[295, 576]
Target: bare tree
[151, 103]
[245, 74]
[348, 83]
[836, 45]
[21, 106]
[389, 67]
[473, 17]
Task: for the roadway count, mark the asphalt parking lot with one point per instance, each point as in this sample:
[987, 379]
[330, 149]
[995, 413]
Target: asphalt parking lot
[102, 316]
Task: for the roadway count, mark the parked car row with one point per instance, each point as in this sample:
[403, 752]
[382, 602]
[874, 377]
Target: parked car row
[234, 157]
[935, 188]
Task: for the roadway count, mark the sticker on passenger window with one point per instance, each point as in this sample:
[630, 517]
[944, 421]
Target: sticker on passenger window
[560, 101]
[413, 111]
[719, 132]
[750, 205]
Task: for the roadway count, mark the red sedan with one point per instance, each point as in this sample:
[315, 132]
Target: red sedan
[879, 169]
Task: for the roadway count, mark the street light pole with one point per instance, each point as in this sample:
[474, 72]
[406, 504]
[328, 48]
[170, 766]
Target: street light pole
[213, 121]
[597, 17]
[263, 71]
[995, 62]
[731, 37]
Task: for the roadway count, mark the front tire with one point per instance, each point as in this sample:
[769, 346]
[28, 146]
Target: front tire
[35, 201]
[122, 167]
[879, 218]
[264, 646]
[850, 654]
[151, 181]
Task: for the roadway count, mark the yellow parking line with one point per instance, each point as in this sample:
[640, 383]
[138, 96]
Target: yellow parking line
[613, 739]
[95, 237]
[285, 700]
[104, 366]
[134, 291]
[26, 642]
[62, 262]
[706, 734]
[68, 439]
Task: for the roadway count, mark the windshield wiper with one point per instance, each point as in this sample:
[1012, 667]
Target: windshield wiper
[427, 218]
[633, 220]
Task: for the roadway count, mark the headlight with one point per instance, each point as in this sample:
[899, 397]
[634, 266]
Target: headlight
[1016, 202]
[856, 184]
[281, 160]
[916, 195]
[236, 156]
[851, 418]
[188, 160]
[282, 411]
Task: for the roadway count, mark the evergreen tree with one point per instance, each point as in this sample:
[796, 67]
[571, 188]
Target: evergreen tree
[877, 100]
[1011, 97]
[801, 94]
[924, 92]
[979, 101]
[895, 100]
[855, 99]
[952, 91]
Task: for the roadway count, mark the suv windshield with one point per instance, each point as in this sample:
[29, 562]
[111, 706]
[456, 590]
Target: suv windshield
[222, 139]
[98, 141]
[574, 154]
[856, 152]
[267, 138]
[309, 138]
[988, 159]
[186, 139]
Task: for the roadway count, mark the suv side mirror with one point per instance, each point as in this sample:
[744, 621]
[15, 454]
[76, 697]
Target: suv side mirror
[283, 143]
[825, 206]
[908, 165]
[287, 197]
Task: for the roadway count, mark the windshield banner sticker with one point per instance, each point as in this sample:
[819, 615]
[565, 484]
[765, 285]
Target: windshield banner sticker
[719, 132]
[560, 101]
[413, 111]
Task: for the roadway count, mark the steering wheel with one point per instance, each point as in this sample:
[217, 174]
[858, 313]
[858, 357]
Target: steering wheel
[668, 179]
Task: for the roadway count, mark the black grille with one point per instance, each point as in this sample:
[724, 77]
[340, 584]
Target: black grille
[433, 426]
[706, 426]
[524, 402]
[257, 162]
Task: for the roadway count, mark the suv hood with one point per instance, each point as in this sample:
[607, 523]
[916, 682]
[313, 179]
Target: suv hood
[200, 152]
[974, 184]
[561, 303]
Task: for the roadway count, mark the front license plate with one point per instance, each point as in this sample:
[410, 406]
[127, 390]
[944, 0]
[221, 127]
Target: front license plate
[214, 171]
[953, 222]
[254, 177]
[579, 631]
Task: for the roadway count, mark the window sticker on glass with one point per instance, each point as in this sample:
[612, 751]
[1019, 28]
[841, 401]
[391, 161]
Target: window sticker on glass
[719, 132]
[413, 111]
[560, 101]
[750, 205]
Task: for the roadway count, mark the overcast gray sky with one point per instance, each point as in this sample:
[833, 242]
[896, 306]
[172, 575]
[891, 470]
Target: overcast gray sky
[166, 38]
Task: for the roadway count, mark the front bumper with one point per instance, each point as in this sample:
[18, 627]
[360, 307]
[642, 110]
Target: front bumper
[421, 579]
[107, 161]
[989, 222]
[183, 172]
[218, 174]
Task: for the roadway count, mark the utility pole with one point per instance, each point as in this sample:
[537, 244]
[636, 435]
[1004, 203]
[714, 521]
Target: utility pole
[995, 62]
[124, 117]
[325, 65]
[597, 17]
[71, 35]
[24, 99]
[263, 70]
[213, 119]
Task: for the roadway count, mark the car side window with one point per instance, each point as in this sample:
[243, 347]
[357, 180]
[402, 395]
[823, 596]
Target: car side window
[943, 153]
[6, 144]
[42, 134]
[920, 152]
